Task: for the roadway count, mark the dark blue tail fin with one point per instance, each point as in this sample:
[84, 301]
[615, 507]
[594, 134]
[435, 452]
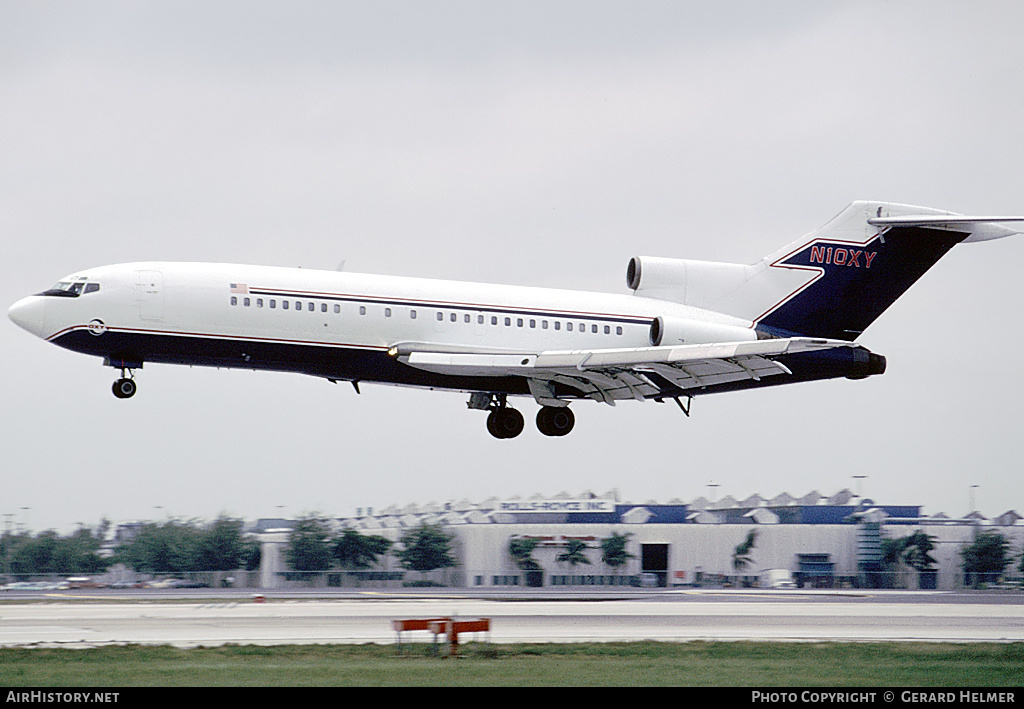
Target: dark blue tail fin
[835, 281]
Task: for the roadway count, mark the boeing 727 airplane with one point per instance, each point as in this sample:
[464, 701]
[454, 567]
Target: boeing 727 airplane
[689, 328]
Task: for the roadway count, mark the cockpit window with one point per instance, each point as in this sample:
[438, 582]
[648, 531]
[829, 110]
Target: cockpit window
[71, 289]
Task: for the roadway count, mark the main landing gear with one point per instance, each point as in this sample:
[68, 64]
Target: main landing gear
[125, 387]
[505, 422]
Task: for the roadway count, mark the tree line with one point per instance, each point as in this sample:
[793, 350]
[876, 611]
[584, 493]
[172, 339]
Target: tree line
[312, 546]
[159, 548]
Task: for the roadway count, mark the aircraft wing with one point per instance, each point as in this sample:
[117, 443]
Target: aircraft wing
[630, 373]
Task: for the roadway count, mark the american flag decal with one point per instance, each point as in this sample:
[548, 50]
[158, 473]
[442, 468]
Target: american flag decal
[239, 288]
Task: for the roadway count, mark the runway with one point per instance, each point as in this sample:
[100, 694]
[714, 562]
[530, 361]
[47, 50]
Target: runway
[366, 618]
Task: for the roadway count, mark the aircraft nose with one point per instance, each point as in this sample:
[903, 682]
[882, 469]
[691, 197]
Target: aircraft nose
[28, 313]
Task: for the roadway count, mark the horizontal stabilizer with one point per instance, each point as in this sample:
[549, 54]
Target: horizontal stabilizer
[980, 228]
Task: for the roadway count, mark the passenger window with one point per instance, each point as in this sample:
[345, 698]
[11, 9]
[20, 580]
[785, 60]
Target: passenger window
[259, 302]
[387, 312]
[494, 320]
[245, 302]
[362, 310]
[465, 318]
[508, 322]
[312, 307]
[593, 328]
[234, 300]
[607, 329]
[323, 307]
[298, 305]
[519, 322]
[284, 304]
[479, 319]
[337, 308]
[568, 326]
[412, 314]
[273, 303]
[453, 317]
[618, 330]
[558, 324]
[544, 324]
[440, 316]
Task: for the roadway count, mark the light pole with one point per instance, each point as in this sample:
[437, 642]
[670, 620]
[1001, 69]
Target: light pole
[860, 486]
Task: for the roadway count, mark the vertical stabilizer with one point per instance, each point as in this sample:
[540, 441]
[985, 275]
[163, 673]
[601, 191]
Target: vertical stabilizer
[833, 282]
[838, 279]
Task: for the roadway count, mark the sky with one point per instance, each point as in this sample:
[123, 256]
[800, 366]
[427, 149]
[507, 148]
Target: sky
[535, 143]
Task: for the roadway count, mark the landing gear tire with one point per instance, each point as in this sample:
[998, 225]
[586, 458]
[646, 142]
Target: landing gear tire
[124, 388]
[504, 422]
[555, 421]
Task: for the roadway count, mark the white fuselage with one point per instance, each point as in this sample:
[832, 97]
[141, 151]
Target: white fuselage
[293, 319]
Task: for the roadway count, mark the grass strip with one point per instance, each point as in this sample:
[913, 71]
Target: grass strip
[732, 664]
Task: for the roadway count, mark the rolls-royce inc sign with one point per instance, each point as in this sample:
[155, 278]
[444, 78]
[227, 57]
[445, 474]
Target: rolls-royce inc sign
[557, 506]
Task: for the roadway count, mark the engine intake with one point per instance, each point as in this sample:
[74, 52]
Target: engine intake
[680, 331]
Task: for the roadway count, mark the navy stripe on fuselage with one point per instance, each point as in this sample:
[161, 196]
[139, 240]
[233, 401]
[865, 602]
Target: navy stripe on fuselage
[354, 363]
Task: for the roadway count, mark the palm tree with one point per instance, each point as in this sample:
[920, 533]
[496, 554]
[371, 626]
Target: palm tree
[613, 550]
[574, 553]
[741, 554]
[521, 551]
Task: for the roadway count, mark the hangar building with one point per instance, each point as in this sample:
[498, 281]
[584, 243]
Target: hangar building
[820, 541]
